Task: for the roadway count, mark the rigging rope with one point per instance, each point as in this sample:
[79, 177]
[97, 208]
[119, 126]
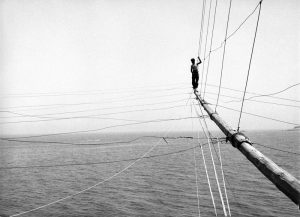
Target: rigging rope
[208, 136]
[238, 127]
[233, 33]
[98, 183]
[224, 50]
[201, 28]
[224, 184]
[195, 167]
[207, 28]
[205, 167]
[211, 40]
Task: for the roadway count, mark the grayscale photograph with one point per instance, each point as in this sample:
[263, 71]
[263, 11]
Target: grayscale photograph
[149, 108]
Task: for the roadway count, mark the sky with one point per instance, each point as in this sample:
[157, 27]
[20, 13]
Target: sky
[119, 56]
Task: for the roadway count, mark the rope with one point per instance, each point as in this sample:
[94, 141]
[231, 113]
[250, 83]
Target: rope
[195, 167]
[223, 57]
[207, 176]
[224, 184]
[99, 129]
[261, 116]
[213, 162]
[235, 31]
[207, 28]
[201, 28]
[238, 127]
[93, 186]
[211, 40]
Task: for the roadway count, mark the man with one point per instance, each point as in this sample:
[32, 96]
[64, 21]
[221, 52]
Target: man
[195, 73]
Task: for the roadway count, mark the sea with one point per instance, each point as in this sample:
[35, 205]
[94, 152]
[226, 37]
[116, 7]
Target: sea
[142, 174]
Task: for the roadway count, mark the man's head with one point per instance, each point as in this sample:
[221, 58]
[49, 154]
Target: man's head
[193, 61]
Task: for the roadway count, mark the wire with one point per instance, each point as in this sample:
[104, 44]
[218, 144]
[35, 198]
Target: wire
[93, 186]
[208, 136]
[99, 129]
[236, 90]
[99, 163]
[224, 184]
[207, 28]
[211, 40]
[248, 73]
[258, 101]
[201, 28]
[261, 116]
[271, 94]
[234, 32]
[224, 50]
[204, 162]
[89, 103]
[95, 116]
[277, 149]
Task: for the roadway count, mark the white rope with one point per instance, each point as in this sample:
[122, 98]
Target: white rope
[93, 186]
[207, 176]
[195, 166]
[228, 207]
[213, 162]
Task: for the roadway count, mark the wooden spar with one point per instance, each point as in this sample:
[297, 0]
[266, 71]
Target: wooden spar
[283, 180]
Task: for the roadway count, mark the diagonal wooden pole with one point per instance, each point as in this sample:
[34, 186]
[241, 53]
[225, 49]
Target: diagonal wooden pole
[283, 180]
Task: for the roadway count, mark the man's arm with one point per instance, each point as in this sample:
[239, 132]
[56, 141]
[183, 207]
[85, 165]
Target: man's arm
[199, 61]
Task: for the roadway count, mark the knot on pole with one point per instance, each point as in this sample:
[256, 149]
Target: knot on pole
[237, 139]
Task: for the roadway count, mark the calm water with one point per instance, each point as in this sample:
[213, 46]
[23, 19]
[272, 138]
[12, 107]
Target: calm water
[159, 186]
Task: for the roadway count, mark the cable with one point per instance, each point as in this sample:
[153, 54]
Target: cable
[261, 116]
[207, 176]
[271, 94]
[236, 90]
[195, 167]
[211, 40]
[224, 184]
[241, 111]
[277, 149]
[90, 103]
[201, 28]
[98, 163]
[208, 136]
[224, 50]
[99, 129]
[233, 33]
[49, 118]
[207, 28]
[93, 186]
[94, 144]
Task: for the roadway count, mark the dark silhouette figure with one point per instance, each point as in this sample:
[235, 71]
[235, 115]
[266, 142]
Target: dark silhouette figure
[195, 73]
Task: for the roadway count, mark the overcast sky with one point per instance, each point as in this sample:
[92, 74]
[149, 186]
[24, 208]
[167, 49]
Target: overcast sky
[136, 52]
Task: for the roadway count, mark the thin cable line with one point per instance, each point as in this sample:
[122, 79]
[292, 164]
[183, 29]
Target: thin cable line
[277, 149]
[93, 186]
[261, 116]
[234, 32]
[98, 163]
[208, 136]
[207, 31]
[195, 167]
[95, 116]
[224, 184]
[99, 129]
[211, 40]
[258, 101]
[271, 94]
[236, 90]
[248, 73]
[201, 28]
[224, 50]
[90, 103]
[204, 163]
